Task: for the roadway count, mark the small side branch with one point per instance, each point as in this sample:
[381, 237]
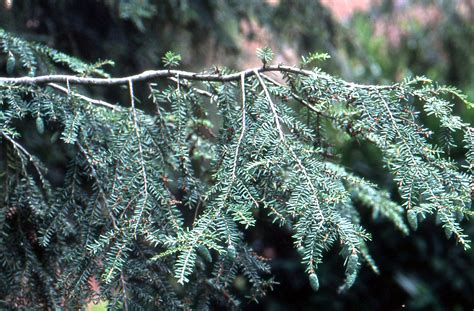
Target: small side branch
[195, 89]
[98, 182]
[88, 99]
[124, 291]
[140, 151]
[242, 82]
[272, 106]
[21, 150]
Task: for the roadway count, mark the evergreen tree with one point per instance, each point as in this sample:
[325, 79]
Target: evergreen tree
[160, 191]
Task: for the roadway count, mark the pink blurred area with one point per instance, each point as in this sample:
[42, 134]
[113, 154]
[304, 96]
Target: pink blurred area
[344, 9]
[393, 27]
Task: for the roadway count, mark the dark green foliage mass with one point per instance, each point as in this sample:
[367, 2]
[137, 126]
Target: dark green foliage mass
[159, 192]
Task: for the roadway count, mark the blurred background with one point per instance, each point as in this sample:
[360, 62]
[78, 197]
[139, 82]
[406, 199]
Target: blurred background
[370, 41]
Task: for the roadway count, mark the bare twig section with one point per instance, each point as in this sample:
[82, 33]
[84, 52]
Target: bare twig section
[18, 146]
[88, 99]
[242, 82]
[154, 74]
[20, 149]
[124, 291]
[195, 89]
[140, 151]
[272, 106]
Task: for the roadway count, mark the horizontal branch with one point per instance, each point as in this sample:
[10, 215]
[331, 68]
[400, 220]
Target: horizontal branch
[154, 74]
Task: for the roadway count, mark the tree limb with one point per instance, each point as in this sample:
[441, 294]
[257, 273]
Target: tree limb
[154, 74]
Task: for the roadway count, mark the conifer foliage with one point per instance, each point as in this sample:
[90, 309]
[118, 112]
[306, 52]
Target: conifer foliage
[159, 192]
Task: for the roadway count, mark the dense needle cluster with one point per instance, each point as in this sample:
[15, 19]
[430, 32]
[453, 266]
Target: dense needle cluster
[157, 194]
